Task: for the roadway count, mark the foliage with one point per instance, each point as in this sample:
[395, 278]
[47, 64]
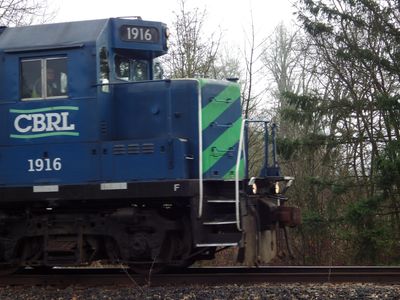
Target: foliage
[344, 129]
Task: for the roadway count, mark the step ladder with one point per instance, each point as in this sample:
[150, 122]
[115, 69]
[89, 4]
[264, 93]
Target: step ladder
[219, 224]
[228, 227]
[240, 153]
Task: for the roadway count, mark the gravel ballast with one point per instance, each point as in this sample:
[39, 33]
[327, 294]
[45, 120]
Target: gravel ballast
[263, 291]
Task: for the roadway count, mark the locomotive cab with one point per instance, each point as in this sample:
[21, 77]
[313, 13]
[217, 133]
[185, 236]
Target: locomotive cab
[102, 159]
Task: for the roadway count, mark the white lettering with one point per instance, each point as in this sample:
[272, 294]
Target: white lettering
[17, 125]
[65, 122]
[44, 164]
[177, 186]
[39, 122]
[47, 122]
[53, 120]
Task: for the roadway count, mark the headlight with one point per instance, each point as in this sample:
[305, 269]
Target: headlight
[252, 185]
[277, 188]
[254, 188]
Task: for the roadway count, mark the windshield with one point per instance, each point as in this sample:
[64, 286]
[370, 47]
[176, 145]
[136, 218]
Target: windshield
[130, 69]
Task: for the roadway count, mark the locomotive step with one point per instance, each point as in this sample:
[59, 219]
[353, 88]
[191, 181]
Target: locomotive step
[222, 201]
[217, 245]
[219, 222]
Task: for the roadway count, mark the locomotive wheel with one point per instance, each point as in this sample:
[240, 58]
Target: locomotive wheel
[162, 261]
[186, 248]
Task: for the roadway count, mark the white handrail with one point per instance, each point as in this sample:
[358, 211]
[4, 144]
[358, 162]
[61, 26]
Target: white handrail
[199, 114]
[237, 190]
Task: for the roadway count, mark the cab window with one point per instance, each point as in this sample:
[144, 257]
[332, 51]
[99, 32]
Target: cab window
[104, 70]
[130, 69]
[44, 78]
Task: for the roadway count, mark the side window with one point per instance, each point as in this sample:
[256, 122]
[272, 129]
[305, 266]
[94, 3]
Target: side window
[31, 72]
[44, 78]
[158, 71]
[56, 74]
[104, 70]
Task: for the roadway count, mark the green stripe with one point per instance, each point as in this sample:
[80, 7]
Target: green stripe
[40, 135]
[44, 109]
[219, 104]
[228, 139]
[231, 173]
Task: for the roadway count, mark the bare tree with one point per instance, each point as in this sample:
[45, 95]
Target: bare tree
[23, 12]
[283, 58]
[253, 89]
[192, 53]
[228, 64]
[254, 92]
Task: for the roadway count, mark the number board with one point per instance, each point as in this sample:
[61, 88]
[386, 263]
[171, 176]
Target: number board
[129, 33]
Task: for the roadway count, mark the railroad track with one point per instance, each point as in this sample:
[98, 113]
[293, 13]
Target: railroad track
[221, 275]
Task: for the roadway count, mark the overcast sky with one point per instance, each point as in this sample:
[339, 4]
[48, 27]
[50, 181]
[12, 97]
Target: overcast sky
[232, 16]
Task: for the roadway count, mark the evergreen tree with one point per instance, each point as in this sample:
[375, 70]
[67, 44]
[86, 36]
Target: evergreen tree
[357, 44]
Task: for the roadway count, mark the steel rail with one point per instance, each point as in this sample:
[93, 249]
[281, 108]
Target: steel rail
[221, 275]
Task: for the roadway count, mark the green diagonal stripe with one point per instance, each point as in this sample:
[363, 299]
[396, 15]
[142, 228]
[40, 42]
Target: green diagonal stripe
[215, 108]
[231, 173]
[228, 139]
[44, 109]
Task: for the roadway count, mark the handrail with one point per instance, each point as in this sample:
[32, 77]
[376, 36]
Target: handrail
[237, 190]
[199, 115]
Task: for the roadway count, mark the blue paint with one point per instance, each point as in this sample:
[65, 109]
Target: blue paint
[102, 130]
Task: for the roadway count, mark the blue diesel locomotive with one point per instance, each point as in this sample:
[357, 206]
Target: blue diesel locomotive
[103, 159]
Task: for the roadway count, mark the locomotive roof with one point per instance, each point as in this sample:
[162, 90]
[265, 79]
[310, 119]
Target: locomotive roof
[51, 36]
